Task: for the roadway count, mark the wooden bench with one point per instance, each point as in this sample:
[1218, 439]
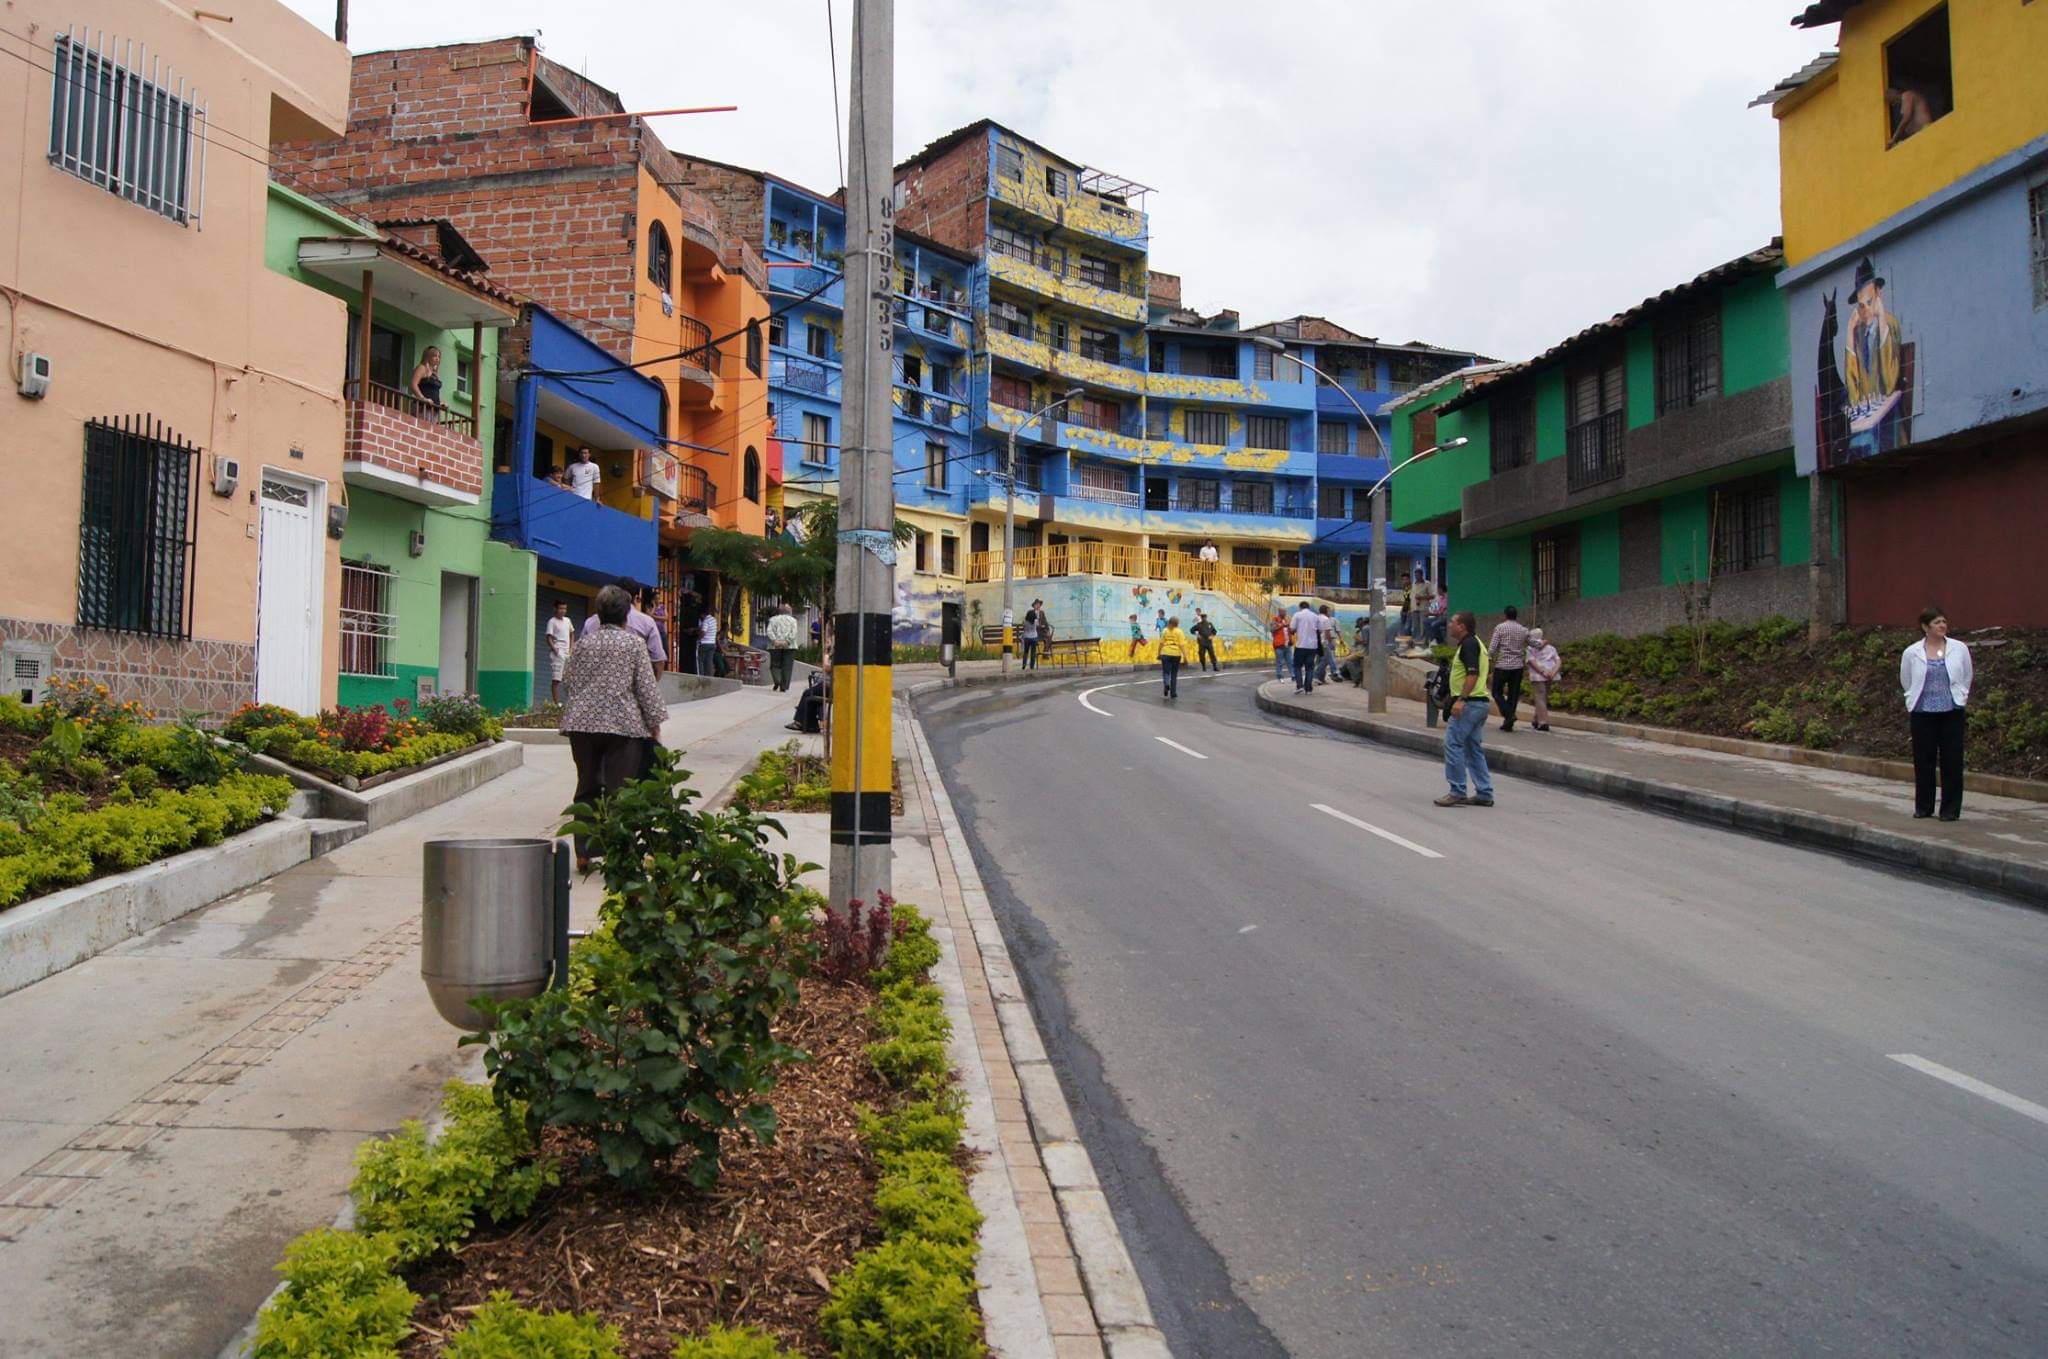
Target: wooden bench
[1073, 650]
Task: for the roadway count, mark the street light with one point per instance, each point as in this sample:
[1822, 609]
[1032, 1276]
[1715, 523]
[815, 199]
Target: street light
[1010, 517]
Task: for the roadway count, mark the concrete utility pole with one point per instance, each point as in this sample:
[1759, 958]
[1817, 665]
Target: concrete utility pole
[1010, 528]
[863, 759]
[1376, 632]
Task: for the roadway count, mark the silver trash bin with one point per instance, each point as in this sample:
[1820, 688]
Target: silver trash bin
[487, 923]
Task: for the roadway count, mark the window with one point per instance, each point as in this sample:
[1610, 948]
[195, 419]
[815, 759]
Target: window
[1100, 345]
[1199, 495]
[130, 136]
[1010, 319]
[1017, 245]
[660, 257]
[1513, 422]
[778, 232]
[1010, 162]
[387, 355]
[1251, 556]
[1252, 497]
[754, 348]
[1688, 360]
[1098, 413]
[817, 340]
[1056, 332]
[913, 371]
[1157, 495]
[1208, 360]
[1005, 389]
[778, 331]
[1330, 501]
[1361, 502]
[1098, 271]
[1557, 565]
[1262, 364]
[1592, 439]
[922, 560]
[1918, 85]
[367, 625]
[1155, 421]
[1205, 427]
[1422, 431]
[1327, 566]
[949, 555]
[750, 477]
[2037, 211]
[1745, 526]
[464, 383]
[1265, 431]
[1333, 438]
[935, 459]
[817, 440]
[1055, 182]
[136, 526]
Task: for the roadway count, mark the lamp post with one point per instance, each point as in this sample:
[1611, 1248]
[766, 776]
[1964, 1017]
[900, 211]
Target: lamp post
[1010, 519]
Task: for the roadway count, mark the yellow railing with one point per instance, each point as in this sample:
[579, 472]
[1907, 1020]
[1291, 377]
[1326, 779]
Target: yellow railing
[1249, 585]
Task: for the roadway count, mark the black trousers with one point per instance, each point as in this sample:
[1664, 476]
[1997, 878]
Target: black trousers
[604, 763]
[1030, 653]
[1938, 746]
[1169, 672]
[780, 659]
[1507, 691]
[1205, 653]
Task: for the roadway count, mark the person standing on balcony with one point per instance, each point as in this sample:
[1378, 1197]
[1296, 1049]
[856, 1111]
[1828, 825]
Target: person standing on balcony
[1034, 623]
[1205, 642]
[1282, 644]
[1173, 649]
[1307, 627]
[1509, 651]
[426, 379]
[560, 632]
[707, 643]
[637, 623]
[1207, 557]
[583, 474]
[781, 647]
[612, 708]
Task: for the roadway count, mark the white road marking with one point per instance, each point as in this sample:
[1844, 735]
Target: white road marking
[1424, 850]
[1121, 684]
[1970, 1083]
[1248, 929]
[1181, 748]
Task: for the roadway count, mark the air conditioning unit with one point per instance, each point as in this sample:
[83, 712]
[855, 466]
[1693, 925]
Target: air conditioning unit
[227, 474]
[35, 374]
[25, 668]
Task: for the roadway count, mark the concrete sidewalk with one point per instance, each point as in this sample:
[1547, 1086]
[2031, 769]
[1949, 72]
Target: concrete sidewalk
[180, 1107]
[2001, 843]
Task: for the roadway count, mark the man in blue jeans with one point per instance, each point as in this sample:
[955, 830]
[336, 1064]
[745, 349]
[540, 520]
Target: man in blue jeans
[1465, 732]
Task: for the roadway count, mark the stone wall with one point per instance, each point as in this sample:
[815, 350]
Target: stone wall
[165, 674]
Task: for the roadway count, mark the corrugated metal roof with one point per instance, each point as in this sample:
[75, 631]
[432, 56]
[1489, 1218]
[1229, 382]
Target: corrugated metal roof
[1799, 79]
[1767, 260]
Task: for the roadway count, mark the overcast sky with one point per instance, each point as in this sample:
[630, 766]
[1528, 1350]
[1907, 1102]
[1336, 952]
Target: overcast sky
[1487, 174]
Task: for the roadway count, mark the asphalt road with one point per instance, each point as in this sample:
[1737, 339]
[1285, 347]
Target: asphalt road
[1594, 1082]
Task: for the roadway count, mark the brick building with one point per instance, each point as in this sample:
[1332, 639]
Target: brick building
[580, 209]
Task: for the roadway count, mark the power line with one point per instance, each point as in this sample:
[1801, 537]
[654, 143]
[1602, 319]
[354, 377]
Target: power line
[832, 53]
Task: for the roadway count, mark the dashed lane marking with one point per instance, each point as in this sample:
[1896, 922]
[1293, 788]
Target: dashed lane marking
[1970, 1083]
[1403, 841]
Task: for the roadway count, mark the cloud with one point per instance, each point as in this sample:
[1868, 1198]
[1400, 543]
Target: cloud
[1493, 174]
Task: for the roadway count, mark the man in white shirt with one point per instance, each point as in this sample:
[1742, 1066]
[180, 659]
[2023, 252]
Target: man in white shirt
[1307, 625]
[560, 633]
[1207, 556]
[583, 475]
[707, 643]
[781, 647]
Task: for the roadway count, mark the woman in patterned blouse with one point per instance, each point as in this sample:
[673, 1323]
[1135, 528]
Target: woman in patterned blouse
[611, 705]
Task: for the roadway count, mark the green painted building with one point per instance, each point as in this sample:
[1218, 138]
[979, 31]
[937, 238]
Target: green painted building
[1640, 464]
[429, 603]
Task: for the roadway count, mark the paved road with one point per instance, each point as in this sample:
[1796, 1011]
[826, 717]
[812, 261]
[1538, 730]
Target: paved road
[1595, 1082]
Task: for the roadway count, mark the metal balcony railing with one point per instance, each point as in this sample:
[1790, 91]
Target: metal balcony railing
[1592, 450]
[1105, 495]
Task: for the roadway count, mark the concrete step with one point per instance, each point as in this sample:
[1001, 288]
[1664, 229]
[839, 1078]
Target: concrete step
[330, 834]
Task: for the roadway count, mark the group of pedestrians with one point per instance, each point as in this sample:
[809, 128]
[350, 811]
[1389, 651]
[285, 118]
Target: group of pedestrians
[1305, 646]
[1522, 655]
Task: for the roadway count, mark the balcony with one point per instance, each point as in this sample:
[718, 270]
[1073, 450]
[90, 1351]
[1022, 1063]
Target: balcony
[695, 494]
[410, 448]
[1087, 213]
[1136, 563]
[801, 374]
[1035, 271]
[1122, 375]
[1105, 495]
[824, 287]
[581, 539]
[1592, 450]
[701, 365]
[1333, 401]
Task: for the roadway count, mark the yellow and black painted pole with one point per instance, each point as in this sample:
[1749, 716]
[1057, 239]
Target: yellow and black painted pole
[862, 756]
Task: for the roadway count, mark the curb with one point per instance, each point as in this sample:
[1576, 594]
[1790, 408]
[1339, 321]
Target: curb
[1118, 1311]
[42, 937]
[378, 807]
[2014, 877]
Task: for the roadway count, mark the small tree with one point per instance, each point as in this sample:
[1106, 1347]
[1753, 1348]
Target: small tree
[1696, 587]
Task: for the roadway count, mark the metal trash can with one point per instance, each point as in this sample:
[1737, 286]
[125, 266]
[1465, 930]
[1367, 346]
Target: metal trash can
[488, 923]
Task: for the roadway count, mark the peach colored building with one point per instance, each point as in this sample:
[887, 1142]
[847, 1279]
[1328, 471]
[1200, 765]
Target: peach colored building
[177, 447]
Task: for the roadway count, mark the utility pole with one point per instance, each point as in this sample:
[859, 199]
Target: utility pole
[863, 758]
[1376, 633]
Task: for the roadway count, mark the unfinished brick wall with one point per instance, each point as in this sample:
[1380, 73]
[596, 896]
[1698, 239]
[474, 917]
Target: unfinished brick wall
[1163, 290]
[413, 446]
[738, 197]
[945, 198]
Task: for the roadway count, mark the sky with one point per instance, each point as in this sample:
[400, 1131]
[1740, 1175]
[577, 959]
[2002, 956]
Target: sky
[1492, 175]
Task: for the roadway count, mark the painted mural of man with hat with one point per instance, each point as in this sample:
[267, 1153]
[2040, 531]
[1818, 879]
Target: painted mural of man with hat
[1871, 370]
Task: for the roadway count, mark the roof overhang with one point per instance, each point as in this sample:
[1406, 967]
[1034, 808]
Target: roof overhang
[412, 287]
[585, 425]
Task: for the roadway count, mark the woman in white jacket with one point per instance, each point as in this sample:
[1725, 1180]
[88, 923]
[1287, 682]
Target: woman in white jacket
[1935, 673]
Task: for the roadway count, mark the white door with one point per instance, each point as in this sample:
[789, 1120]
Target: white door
[288, 595]
[458, 633]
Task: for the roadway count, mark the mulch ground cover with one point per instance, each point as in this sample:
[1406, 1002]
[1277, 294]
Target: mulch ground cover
[816, 772]
[1766, 682]
[759, 1249]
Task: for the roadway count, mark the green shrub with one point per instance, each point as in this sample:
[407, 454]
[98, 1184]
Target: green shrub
[341, 1300]
[912, 1053]
[914, 951]
[720, 1343]
[1817, 734]
[457, 715]
[923, 1194]
[1774, 722]
[670, 1040]
[427, 1196]
[920, 1125]
[905, 1299]
[502, 1329]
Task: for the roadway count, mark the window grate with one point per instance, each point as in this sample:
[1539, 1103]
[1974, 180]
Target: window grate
[1206, 427]
[1557, 566]
[140, 136]
[1514, 433]
[137, 528]
[367, 625]
[1688, 361]
[2037, 211]
[1333, 438]
[1745, 527]
[1265, 431]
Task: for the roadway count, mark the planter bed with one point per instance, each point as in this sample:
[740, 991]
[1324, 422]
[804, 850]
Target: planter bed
[789, 779]
[362, 748]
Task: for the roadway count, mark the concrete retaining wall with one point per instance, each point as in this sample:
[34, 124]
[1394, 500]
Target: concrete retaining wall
[394, 801]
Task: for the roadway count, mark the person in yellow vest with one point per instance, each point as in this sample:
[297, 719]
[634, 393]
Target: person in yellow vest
[1173, 649]
[1471, 674]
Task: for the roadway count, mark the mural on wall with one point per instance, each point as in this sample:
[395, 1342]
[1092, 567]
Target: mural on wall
[1863, 393]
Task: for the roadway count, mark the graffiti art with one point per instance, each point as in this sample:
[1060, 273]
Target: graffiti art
[1863, 405]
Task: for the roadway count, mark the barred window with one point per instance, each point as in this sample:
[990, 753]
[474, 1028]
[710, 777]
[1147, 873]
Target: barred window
[367, 625]
[1265, 431]
[1206, 427]
[1330, 501]
[1745, 526]
[1100, 272]
[1009, 161]
[660, 257]
[1361, 502]
[1557, 565]
[142, 139]
[137, 524]
[1333, 437]
[1513, 443]
[2037, 213]
[1688, 361]
[1252, 497]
